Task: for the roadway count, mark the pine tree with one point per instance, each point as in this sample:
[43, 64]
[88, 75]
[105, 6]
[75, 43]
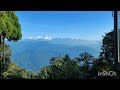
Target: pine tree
[10, 29]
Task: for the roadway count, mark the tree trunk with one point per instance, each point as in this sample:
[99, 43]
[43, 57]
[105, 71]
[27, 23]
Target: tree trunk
[0, 47]
[3, 54]
[0, 54]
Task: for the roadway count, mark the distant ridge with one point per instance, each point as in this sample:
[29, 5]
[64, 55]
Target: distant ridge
[33, 54]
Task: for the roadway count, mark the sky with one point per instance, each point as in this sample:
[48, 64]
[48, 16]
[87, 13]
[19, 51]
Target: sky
[87, 25]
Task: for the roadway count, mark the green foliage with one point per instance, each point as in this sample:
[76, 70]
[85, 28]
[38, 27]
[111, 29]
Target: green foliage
[107, 48]
[61, 68]
[101, 65]
[15, 72]
[86, 62]
[9, 23]
[9, 29]
[85, 66]
[106, 59]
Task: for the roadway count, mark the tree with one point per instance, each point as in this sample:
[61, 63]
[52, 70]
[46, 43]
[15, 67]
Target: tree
[86, 61]
[61, 68]
[7, 52]
[106, 59]
[107, 48]
[9, 24]
[66, 58]
[15, 72]
[10, 29]
[84, 58]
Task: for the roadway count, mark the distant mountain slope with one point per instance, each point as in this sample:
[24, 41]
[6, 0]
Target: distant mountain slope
[33, 54]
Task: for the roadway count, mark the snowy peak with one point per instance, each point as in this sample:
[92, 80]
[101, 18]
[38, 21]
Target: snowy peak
[44, 37]
[41, 37]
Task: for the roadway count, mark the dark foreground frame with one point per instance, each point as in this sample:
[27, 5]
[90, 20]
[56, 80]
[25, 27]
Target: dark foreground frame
[116, 41]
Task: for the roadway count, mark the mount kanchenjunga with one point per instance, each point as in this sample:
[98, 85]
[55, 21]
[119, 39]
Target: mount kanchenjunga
[65, 41]
[32, 54]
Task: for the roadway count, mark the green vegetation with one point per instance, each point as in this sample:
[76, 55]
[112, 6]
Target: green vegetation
[7, 55]
[15, 72]
[60, 68]
[85, 66]
[10, 29]
[9, 26]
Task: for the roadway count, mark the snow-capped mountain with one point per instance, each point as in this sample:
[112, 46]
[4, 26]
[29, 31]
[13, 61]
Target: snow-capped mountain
[40, 37]
[67, 41]
[33, 54]
[44, 37]
[36, 52]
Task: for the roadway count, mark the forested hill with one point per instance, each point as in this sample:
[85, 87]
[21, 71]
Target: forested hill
[33, 54]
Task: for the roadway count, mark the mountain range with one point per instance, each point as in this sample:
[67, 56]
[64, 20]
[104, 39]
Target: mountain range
[32, 54]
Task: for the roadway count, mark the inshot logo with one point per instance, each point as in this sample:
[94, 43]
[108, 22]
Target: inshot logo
[107, 73]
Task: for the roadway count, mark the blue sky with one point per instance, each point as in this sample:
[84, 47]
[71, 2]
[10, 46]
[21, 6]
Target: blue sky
[90, 25]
